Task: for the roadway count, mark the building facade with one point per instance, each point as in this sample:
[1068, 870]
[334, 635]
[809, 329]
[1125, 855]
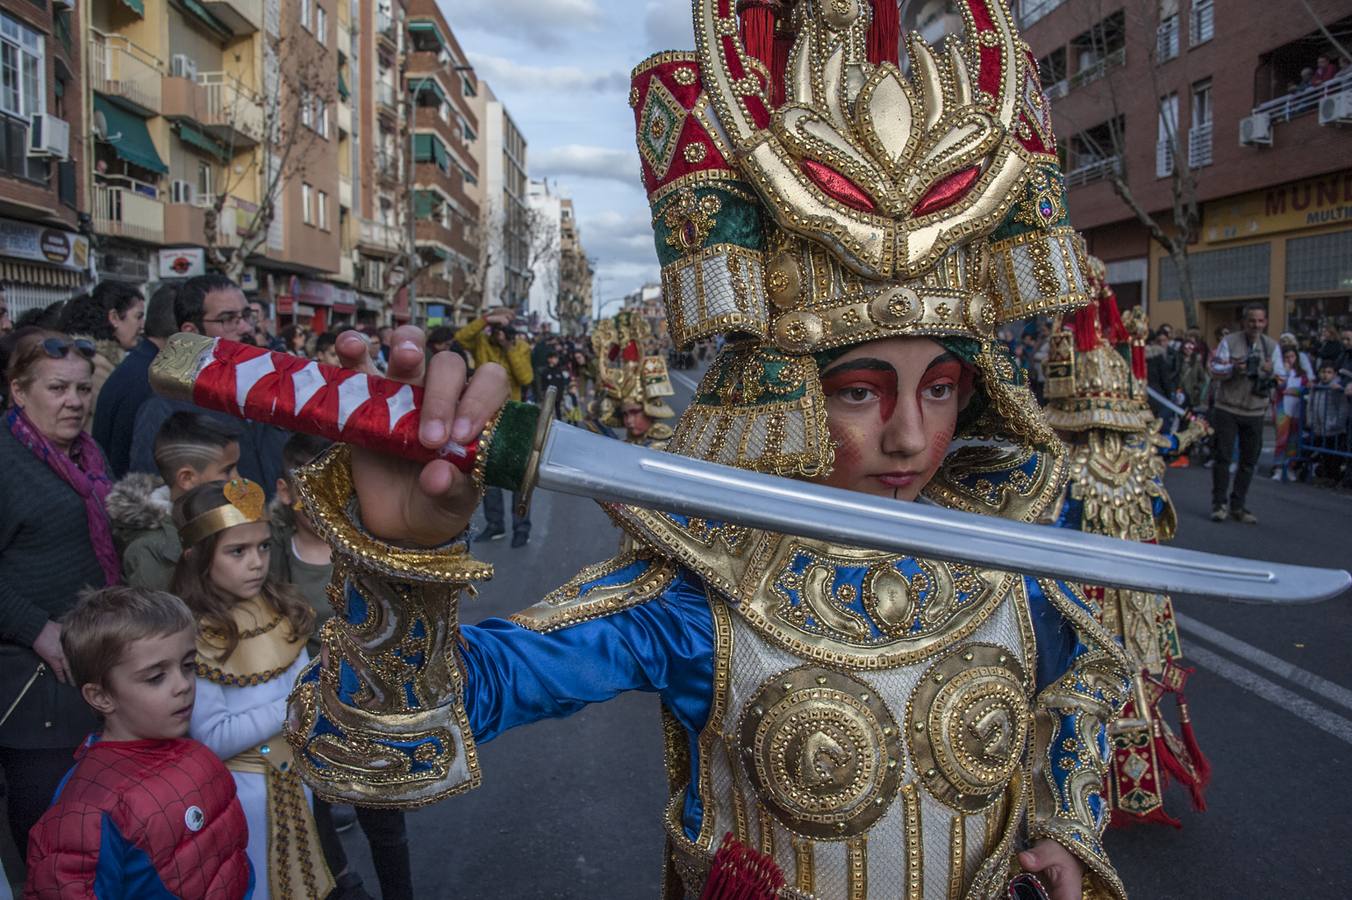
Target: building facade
[504, 212]
[574, 302]
[1248, 102]
[44, 257]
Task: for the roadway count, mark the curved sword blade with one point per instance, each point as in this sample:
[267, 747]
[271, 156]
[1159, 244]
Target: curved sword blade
[575, 461]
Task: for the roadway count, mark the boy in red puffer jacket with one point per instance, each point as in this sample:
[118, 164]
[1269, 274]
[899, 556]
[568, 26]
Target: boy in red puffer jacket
[145, 812]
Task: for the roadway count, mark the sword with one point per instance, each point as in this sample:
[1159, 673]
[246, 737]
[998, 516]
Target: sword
[1165, 401]
[372, 412]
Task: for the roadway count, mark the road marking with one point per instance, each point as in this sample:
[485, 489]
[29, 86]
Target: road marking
[1293, 703]
[685, 380]
[1290, 671]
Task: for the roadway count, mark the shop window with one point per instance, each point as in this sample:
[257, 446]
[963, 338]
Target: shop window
[1232, 272]
[1322, 263]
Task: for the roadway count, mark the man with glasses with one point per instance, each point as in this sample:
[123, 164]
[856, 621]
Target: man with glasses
[212, 305]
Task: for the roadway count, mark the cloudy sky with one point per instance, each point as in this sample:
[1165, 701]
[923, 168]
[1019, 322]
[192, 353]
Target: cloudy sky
[561, 67]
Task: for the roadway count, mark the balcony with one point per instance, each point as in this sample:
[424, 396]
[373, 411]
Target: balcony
[224, 107]
[1199, 146]
[387, 97]
[430, 231]
[185, 223]
[1096, 170]
[378, 237]
[119, 68]
[1306, 100]
[345, 116]
[1164, 158]
[388, 29]
[433, 288]
[1096, 70]
[344, 191]
[127, 208]
[240, 16]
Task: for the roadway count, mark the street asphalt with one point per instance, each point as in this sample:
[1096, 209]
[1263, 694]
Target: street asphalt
[571, 808]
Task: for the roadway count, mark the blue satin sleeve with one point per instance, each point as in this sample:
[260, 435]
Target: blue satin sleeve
[1058, 643]
[665, 645]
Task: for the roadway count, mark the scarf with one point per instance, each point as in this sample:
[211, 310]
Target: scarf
[84, 470]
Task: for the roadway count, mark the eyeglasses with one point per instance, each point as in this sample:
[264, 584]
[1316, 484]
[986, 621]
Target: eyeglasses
[57, 348]
[227, 319]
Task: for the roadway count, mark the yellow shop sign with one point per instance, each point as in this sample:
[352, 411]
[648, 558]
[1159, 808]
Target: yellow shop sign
[1288, 207]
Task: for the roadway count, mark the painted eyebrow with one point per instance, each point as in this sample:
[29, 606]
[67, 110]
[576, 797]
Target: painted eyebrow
[946, 356]
[868, 363]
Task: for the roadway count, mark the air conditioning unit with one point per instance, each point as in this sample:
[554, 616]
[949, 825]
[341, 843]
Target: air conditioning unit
[1336, 109]
[183, 66]
[49, 136]
[181, 192]
[1256, 129]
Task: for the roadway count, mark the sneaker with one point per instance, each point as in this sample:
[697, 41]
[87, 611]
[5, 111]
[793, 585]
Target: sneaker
[1240, 514]
[520, 539]
[1219, 513]
[490, 534]
[349, 886]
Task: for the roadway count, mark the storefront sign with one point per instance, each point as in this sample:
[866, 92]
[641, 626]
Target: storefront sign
[1325, 200]
[54, 246]
[183, 262]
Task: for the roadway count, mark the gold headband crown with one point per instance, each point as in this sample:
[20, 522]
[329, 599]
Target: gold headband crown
[245, 504]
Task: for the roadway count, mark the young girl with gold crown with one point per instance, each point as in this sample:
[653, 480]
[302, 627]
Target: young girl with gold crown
[250, 648]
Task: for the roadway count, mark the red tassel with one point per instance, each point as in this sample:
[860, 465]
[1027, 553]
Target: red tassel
[884, 33]
[1201, 765]
[783, 44]
[740, 873]
[1110, 317]
[1138, 367]
[1085, 326]
[758, 30]
[1156, 816]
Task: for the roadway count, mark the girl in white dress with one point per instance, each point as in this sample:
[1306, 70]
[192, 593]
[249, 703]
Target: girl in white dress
[250, 649]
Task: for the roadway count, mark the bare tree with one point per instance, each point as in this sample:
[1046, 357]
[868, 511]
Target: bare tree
[283, 124]
[1105, 145]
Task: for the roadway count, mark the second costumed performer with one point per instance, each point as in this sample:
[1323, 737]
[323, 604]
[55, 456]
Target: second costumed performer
[840, 722]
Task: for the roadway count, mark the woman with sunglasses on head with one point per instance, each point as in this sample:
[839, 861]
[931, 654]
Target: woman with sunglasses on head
[55, 541]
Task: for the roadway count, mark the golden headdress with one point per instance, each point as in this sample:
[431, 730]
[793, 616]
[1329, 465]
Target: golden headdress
[626, 375]
[807, 195]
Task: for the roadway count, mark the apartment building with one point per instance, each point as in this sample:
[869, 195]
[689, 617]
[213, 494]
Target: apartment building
[1236, 96]
[575, 273]
[44, 257]
[441, 88]
[502, 152]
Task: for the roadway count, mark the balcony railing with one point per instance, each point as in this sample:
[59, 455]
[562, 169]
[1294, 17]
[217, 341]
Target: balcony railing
[1288, 106]
[386, 95]
[378, 234]
[1164, 158]
[1096, 70]
[232, 107]
[1094, 171]
[344, 116]
[1056, 90]
[120, 68]
[124, 207]
[1032, 10]
[1199, 146]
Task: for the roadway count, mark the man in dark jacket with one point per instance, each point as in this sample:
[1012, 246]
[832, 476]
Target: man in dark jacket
[129, 384]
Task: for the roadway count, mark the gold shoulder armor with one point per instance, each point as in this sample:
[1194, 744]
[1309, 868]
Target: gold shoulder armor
[1010, 482]
[600, 590]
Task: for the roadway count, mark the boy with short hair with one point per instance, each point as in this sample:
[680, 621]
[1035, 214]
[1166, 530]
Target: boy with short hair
[145, 811]
[190, 449]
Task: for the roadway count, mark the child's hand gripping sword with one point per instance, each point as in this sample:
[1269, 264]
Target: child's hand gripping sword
[527, 449]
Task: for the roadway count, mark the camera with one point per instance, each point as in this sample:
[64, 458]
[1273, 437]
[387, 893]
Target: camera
[1263, 385]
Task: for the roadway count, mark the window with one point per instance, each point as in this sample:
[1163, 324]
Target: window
[467, 132]
[467, 86]
[307, 112]
[22, 92]
[323, 211]
[1201, 103]
[1199, 135]
[305, 14]
[204, 193]
[1201, 22]
[1166, 38]
[1168, 130]
[307, 204]
[322, 116]
[321, 25]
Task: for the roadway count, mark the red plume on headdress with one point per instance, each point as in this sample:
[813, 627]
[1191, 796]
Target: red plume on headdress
[1085, 326]
[884, 33]
[768, 44]
[631, 352]
[1111, 318]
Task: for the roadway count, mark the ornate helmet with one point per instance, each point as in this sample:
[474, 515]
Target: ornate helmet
[808, 195]
[626, 375]
[1096, 366]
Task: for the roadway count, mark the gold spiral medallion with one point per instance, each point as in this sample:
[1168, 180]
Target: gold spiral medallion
[822, 752]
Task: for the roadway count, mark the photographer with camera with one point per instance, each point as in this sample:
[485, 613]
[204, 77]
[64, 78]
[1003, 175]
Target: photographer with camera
[1246, 368]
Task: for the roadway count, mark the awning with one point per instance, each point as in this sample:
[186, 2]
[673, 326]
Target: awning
[206, 18]
[434, 250]
[342, 87]
[423, 26]
[425, 203]
[128, 136]
[429, 148]
[135, 6]
[191, 136]
[426, 83]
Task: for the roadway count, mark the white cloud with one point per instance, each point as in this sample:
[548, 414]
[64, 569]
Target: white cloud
[622, 245]
[501, 72]
[586, 161]
[668, 25]
[540, 22]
